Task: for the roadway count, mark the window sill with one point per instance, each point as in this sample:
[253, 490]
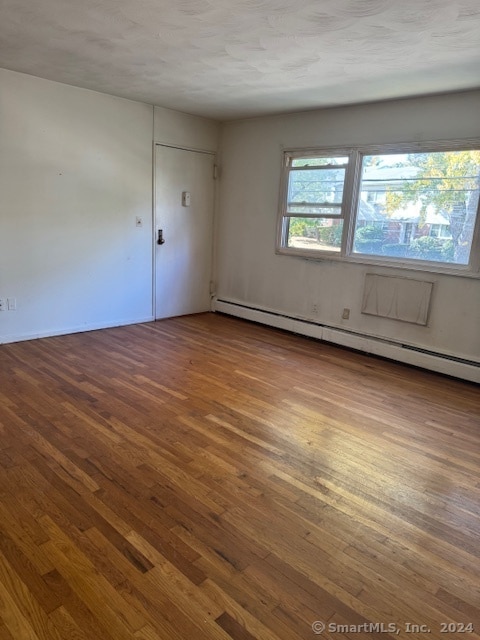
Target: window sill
[425, 267]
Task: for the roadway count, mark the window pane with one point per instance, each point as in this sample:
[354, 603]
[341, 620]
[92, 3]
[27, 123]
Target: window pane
[314, 234]
[318, 162]
[312, 191]
[419, 206]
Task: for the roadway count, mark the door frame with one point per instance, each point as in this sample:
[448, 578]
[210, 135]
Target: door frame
[154, 215]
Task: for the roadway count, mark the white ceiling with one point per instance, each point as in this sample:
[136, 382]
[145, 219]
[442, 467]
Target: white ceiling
[235, 58]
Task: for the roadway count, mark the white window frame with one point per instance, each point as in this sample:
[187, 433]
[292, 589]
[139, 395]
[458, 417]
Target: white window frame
[349, 209]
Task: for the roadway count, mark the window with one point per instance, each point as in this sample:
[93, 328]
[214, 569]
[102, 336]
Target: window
[315, 202]
[410, 206]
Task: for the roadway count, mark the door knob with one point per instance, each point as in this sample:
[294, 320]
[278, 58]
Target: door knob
[160, 239]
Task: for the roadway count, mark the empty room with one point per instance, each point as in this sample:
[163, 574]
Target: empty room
[239, 319]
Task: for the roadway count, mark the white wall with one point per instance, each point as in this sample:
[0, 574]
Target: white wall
[184, 130]
[76, 170]
[251, 273]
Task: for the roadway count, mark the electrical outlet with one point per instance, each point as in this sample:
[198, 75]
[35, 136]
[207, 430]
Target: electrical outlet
[315, 309]
[12, 304]
[346, 314]
[2, 304]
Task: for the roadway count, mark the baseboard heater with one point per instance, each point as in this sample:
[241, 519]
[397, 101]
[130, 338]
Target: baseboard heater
[409, 354]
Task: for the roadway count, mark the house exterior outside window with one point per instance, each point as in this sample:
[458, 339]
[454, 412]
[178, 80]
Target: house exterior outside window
[407, 206]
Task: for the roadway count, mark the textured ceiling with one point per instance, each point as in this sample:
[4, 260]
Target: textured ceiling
[236, 58]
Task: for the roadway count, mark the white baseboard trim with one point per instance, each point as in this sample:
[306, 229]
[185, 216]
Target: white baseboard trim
[441, 363]
[21, 337]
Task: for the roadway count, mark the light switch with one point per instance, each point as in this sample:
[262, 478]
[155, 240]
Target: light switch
[185, 198]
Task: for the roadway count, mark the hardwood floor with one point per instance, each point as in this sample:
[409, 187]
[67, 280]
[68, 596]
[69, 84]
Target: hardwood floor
[206, 478]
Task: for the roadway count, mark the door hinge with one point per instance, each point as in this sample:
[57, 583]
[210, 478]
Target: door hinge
[215, 171]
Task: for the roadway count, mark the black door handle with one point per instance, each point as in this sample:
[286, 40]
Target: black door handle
[160, 239]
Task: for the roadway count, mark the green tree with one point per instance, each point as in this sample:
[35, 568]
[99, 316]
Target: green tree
[450, 182]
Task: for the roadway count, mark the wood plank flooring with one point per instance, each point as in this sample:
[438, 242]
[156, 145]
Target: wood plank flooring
[206, 478]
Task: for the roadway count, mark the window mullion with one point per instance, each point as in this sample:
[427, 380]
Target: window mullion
[475, 247]
[351, 190]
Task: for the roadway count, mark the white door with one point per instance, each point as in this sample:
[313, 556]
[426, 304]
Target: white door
[184, 202]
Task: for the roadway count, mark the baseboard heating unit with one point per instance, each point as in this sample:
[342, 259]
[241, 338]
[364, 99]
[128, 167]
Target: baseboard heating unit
[386, 348]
